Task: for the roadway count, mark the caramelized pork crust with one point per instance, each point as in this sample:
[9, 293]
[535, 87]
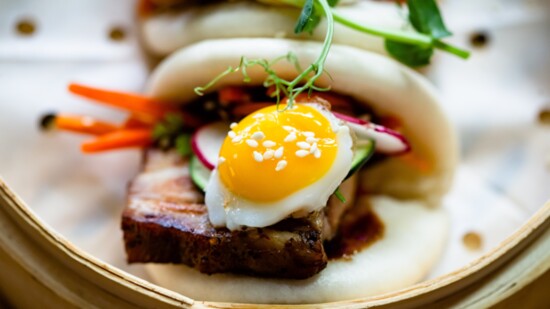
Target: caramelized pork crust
[166, 221]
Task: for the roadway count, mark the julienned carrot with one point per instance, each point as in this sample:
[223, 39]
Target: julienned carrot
[119, 139]
[248, 108]
[83, 124]
[145, 109]
[132, 102]
[139, 122]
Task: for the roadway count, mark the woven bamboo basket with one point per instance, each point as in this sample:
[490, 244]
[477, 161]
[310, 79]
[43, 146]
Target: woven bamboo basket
[40, 267]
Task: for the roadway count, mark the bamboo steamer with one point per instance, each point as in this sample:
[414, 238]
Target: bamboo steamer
[41, 267]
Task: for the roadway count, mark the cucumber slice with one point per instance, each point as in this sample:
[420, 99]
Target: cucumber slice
[362, 154]
[199, 173]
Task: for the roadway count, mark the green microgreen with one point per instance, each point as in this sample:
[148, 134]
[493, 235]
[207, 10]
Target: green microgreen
[183, 144]
[424, 17]
[305, 80]
[409, 54]
[309, 18]
[413, 48]
[168, 133]
[339, 195]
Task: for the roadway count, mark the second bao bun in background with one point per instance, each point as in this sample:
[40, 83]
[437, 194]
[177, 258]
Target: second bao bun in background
[166, 30]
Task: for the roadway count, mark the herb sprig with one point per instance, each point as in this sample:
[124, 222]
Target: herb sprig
[411, 48]
[305, 81]
[168, 134]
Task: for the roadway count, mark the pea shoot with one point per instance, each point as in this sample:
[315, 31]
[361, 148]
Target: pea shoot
[413, 48]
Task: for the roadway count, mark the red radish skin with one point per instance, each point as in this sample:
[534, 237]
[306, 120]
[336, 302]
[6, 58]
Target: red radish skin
[349, 118]
[207, 141]
[199, 155]
[381, 129]
[387, 141]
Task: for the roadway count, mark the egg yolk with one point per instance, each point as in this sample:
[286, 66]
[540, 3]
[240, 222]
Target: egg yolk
[272, 153]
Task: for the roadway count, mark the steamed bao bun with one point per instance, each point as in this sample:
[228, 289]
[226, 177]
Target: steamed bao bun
[402, 195]
[167, 31]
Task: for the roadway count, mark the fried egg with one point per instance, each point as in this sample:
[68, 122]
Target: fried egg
[278, 162]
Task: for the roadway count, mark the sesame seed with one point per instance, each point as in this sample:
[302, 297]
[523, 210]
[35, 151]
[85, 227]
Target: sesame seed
[280, 165]
[290, 138]
[221, 160]
[237, 139]
[258, 156]
[252, 143]
[312, 140]
[257, 116]
[317, 154]
[268, 144]
[308, 134]
[231, 134]
[313, 148]
[258, 135]
[288, 128]
[233, 125]
[279, 152]
[303, 145]
[268, 154]
[302, 153]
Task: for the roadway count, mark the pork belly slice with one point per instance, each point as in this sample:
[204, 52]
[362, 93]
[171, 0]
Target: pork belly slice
[166, 221]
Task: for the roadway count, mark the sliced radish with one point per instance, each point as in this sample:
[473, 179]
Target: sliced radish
[207, 141]
[349, 118]
[387, 141]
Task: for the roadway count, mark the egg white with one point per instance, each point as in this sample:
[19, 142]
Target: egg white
[228, 210]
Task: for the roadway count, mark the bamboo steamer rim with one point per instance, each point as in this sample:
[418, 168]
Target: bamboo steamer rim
[93, 267]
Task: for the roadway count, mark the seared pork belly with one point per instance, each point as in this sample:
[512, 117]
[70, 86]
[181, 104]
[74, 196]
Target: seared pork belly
[166, 221]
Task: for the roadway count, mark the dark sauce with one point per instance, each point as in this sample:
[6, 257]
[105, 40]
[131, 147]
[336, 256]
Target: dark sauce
[354, 235]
